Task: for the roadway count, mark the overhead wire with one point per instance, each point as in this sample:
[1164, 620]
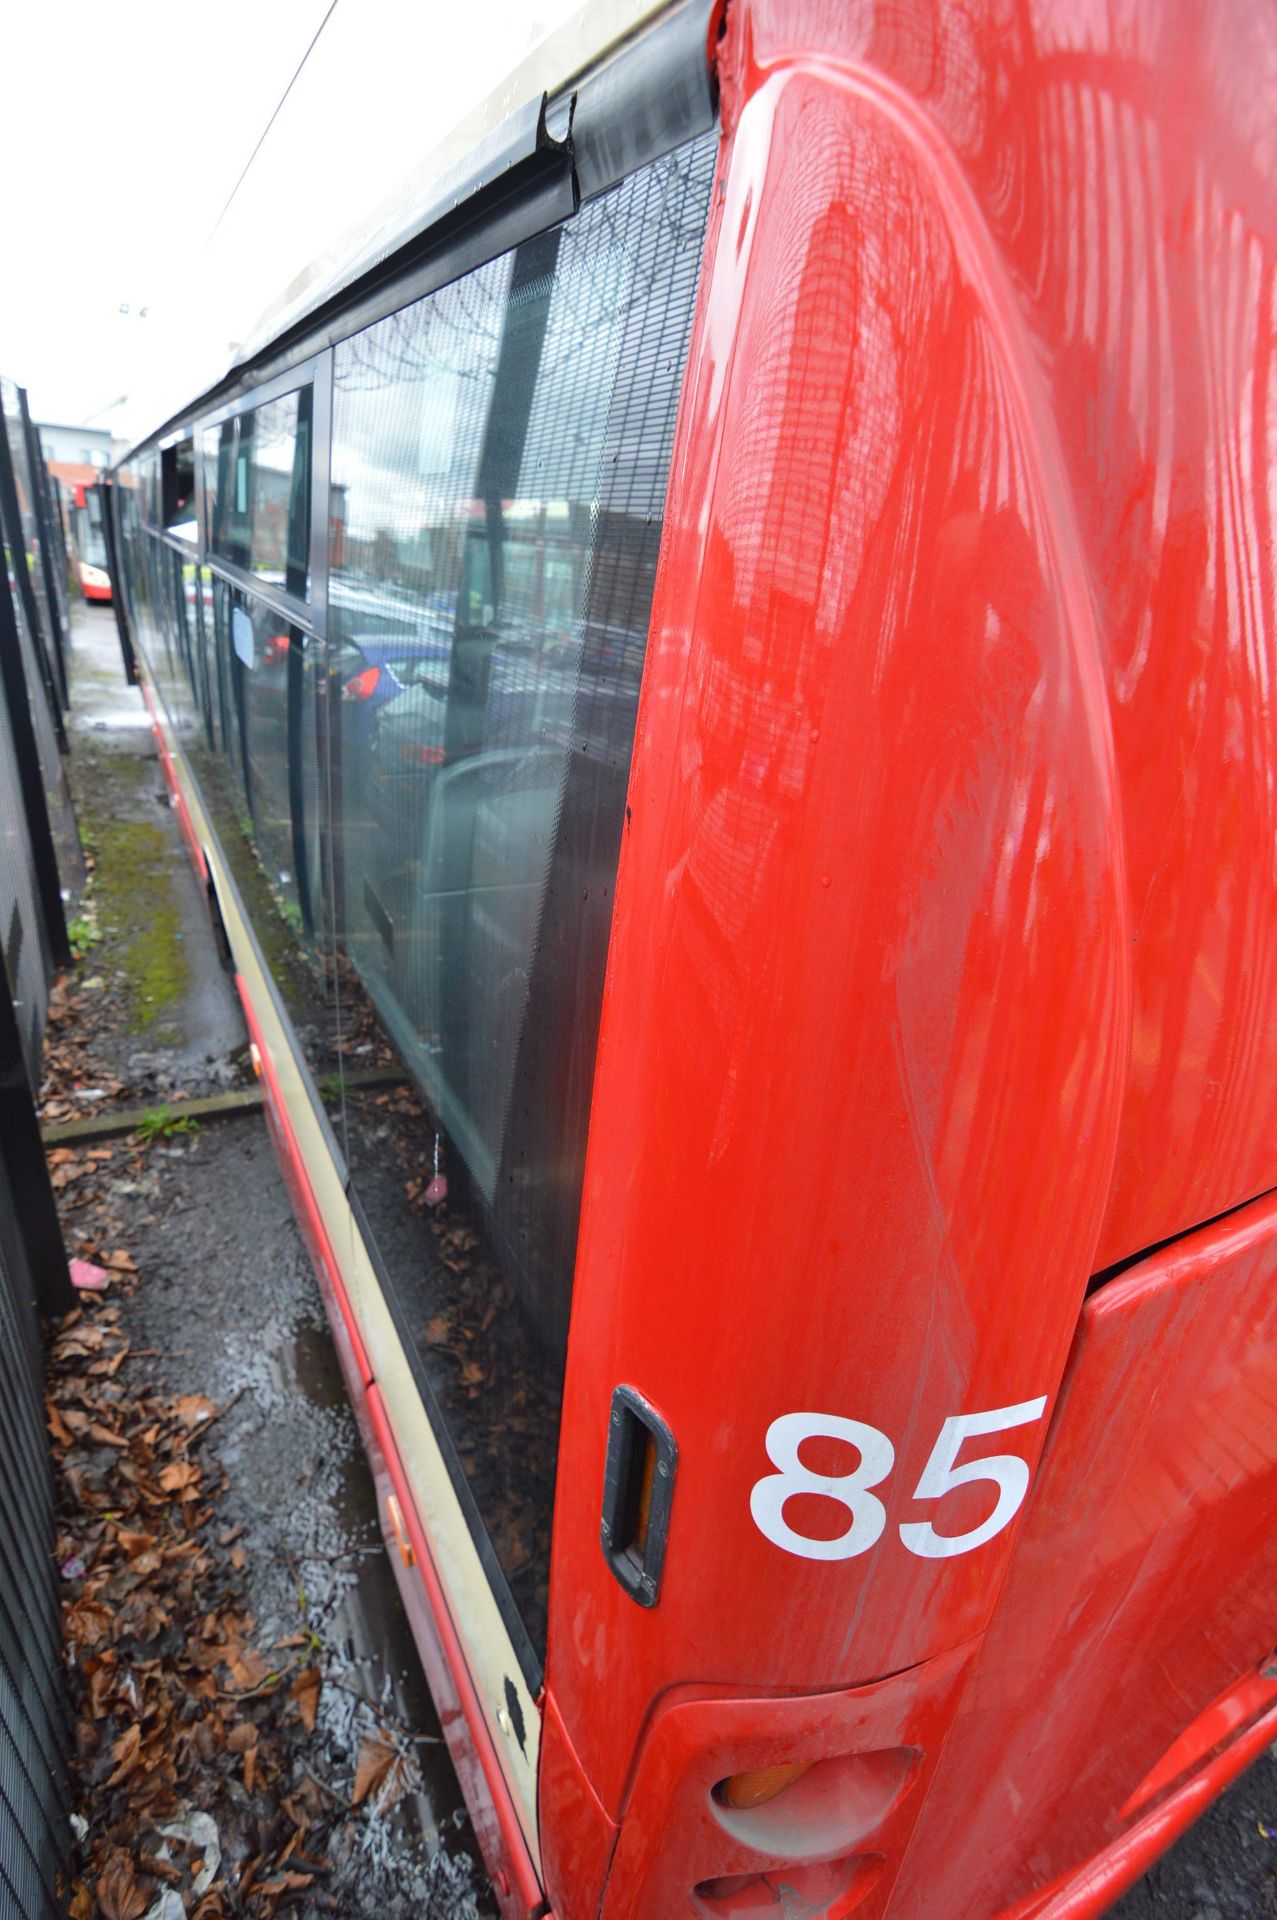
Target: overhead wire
[270, 123]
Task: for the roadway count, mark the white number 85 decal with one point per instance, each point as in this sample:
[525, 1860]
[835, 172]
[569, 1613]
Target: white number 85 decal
[854, 1491]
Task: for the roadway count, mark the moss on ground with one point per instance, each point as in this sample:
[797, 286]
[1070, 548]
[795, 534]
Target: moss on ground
[133, 887]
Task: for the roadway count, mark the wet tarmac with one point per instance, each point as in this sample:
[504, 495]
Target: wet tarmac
[229, 1305]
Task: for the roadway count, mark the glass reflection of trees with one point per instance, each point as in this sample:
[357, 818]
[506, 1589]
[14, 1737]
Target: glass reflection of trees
[500, 453]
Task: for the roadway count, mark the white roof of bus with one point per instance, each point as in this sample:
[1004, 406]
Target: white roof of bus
[579, 41]
[355, 155]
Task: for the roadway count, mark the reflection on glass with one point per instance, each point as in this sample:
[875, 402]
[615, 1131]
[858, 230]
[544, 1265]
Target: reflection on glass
[209, 440]
[259, 490]
[177, 473]
[431, 801]
[499, 462]
[88, 536]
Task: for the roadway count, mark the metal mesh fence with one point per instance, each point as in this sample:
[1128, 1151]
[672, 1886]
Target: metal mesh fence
[34, 1728]
[40, 866]
[57, 791]
[24, 938]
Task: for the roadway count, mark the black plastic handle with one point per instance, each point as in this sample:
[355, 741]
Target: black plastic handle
[638, 1493]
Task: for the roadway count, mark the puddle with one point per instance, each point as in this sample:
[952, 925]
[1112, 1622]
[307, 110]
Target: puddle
[374, 1657]
[229, 1301]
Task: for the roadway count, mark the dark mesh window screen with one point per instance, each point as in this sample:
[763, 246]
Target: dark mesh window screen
[499, 464]
[436, 790]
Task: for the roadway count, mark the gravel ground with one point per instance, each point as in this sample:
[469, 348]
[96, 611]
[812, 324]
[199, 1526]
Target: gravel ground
[1225, 1867]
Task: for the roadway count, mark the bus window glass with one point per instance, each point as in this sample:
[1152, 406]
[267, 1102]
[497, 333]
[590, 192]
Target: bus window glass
[259, 491]
[88, 536]
[268, 659]
[256, 753]
[171, 657]
[500, 454]
[177, 489]
[209, 442]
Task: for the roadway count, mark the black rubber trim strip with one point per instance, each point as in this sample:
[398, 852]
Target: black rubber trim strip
[657, 92]
[1119, 1267]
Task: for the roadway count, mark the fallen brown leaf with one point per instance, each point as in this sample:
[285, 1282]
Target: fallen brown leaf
[247, 1670]
[305, 1691]
[124, 1752]
[135, 1543]
[373, 1765]
[119, 1894]
[159, 1869]
[192, 1409]
[177, 1475]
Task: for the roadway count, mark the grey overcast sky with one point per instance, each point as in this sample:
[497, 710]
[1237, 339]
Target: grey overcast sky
[126, 128]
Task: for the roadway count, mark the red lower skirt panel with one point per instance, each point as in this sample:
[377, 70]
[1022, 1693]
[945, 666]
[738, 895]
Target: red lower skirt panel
[1093, 1888]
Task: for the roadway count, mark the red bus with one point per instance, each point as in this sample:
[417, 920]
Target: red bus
[82, 499]
[719, 682]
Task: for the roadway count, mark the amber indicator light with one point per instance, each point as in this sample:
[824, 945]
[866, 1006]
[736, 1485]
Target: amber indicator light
[643, 1506]
[760, 1784]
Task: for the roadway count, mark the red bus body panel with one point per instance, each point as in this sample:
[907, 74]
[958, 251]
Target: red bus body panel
[1143, 1583]
[866, 967]
[943, 954]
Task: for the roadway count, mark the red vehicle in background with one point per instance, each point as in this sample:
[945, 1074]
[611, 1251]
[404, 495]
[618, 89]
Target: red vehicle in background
[914, 1546]
[80, 492]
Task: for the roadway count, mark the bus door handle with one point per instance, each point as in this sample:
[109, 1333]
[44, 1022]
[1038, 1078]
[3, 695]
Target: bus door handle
[638, 1493]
